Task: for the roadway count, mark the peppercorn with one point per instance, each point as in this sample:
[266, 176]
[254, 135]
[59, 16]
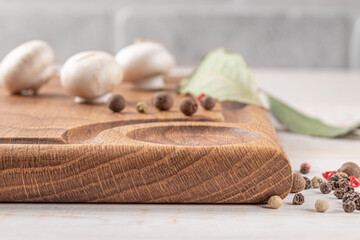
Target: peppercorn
[142, 107]
[334, 185]
[305, 168]
[298, 183]
[334, 178]
[207, 102]
[116, 103]
[339, 193]
[341, 174]
[188, 106]
[357, 202]
[349, 206]
[321, 205]
[326, 188]
[275, 202]
[307, 182]
[349, 189]
[298, 199]
[351, 169]
[349, 196]
[315, 182]
[163, 101]
[344, 182]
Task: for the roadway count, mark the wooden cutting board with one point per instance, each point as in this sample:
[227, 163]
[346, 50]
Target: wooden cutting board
[54, 150]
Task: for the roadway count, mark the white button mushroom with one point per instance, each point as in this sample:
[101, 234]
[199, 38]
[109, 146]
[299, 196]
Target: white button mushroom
[145, 64]
[91, 76]
[27, 67]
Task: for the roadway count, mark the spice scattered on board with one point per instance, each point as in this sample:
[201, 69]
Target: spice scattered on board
[326, 188]
[116, 103]
[298, 199]
[142, 107]
[315, 182]
[307, 182]
[349, 206]
[188, 106]
[298, 183]
[163, 101]
[305, 168]
[321, 205]
[275, 202]
[351, 169]
[207, 102]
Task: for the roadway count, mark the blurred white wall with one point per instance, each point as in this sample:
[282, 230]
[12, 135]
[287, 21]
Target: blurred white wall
[269, 33]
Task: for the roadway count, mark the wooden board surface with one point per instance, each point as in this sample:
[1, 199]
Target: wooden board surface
[232, 221]
[53, 150]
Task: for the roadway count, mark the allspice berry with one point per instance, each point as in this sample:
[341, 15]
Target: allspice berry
[351, 169]
[321, 205]
[116, 103]
[142, 107]
[163, 101]
[298, 183]
[349, 206]
[188, 106]
[275, 202]
[307, 182]
[326, 187]
[315, 182]
[207, 102]
[298, 199]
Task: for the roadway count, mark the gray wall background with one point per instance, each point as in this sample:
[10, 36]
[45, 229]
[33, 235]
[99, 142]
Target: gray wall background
[268, 33]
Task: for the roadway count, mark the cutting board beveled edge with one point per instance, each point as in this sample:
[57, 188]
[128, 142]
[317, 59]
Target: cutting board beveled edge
[53, 150]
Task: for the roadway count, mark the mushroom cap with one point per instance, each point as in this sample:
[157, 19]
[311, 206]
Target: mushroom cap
[144, 59]
[24, 67]
[91, 74]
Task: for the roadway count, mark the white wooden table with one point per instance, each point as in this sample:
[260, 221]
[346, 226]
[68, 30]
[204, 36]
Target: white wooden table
[331, 95]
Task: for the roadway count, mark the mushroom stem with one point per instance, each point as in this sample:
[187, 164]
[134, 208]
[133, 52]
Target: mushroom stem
[151, 83]
[100, 100]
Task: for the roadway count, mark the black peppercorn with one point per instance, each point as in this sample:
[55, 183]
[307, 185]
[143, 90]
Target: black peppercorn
[116, 103]
[305, 168]
[349, 196]
[163, 101]
[298, 199]
[326, 188]
[349, 189]
[334, 178]
[307, 182]
[349, 206]
[357, 202]
[334, 185]
[339, 193]
[188, 106]
[343, 182]
[207, 102]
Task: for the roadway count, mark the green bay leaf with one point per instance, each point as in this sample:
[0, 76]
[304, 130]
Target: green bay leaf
[223, 75]
[298, 122]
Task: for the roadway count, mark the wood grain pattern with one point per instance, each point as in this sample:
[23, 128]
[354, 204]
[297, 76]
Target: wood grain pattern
[53, 150]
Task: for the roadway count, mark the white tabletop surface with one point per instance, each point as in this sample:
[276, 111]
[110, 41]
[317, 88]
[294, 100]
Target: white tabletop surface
[330, 95]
